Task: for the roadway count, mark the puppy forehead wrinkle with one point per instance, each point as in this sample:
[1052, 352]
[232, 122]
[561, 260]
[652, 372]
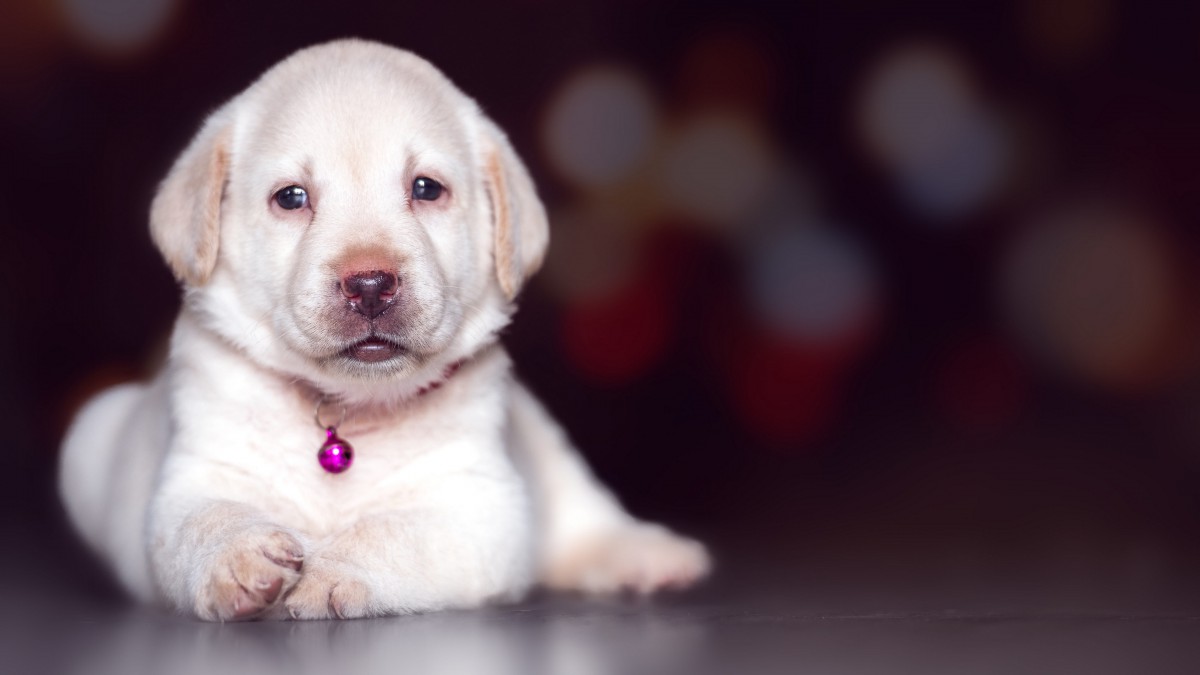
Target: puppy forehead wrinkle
[450, 162]
[359, 108]
[342, 133]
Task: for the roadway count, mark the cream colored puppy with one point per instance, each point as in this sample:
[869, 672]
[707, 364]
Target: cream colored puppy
[351, 232]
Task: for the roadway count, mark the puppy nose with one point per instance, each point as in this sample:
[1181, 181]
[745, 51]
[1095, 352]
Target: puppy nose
[370, 293]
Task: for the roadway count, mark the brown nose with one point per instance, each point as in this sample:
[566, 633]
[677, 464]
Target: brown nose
[370, 293]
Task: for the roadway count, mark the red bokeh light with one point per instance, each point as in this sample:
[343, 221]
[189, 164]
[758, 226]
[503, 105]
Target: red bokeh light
[616, 337]
[787, 393]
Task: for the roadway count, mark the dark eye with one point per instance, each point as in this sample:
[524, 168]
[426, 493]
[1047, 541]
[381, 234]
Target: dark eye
[292, 197]
[426, 189]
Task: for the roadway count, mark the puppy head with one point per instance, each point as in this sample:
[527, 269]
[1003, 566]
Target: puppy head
[352, 219]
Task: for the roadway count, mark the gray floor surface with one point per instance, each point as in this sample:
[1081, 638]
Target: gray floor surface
[854, 611]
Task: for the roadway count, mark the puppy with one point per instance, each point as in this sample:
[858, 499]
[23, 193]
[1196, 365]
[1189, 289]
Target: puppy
[350, 232]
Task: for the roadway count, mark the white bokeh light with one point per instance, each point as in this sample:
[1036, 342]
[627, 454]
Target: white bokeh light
[810, 282]
[916, 100]
[965, 175]
[921, 118]
[600, 126]
[118, 25]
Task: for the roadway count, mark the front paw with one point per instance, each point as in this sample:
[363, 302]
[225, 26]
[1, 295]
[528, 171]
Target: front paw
[329, 590]
[249, 574]
[643, 558]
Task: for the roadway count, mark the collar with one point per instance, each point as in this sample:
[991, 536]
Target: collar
[447, 373]
[321, 399]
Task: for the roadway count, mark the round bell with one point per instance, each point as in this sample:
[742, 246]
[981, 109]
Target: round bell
[336, 455]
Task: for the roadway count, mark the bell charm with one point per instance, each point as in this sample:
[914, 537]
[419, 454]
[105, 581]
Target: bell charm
[336, 455]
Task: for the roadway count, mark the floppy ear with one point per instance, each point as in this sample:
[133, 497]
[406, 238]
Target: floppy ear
[185, 217]
[521, 232]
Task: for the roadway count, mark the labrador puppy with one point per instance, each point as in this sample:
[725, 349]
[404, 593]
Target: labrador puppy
[350, 232]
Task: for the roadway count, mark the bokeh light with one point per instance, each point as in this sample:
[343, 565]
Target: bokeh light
[917, 99]
[716, 169]
[594, 251]
[969, 173]
[810, 283]
[118, 25]
[616, 337]
[599, 126]
[788, 394]
[921, 118]
[1094, 290]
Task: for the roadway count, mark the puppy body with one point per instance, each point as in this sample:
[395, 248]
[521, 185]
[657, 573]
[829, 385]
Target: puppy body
[202, 488]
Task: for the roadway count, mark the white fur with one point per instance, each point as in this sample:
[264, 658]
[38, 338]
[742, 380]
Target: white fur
[202, 488]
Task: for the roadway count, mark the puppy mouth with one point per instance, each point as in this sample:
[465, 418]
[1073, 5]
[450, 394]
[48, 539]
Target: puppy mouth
[373, 349]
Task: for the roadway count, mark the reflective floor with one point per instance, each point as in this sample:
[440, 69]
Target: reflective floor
[570, 637]
[887, 610]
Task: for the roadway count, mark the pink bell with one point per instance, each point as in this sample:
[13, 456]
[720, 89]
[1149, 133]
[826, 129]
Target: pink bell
[335, 455]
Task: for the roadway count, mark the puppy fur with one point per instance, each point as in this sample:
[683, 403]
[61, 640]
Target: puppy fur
[201, 488]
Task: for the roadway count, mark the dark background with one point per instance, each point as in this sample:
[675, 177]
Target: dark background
[903, 295]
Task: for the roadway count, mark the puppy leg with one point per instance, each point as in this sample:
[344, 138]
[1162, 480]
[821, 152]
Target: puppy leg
[222, 560]
[589, 542]
[464, 546]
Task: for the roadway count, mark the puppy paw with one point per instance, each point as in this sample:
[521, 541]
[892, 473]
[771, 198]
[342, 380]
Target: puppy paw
[642, 558]
[329, 591]
[249, 574]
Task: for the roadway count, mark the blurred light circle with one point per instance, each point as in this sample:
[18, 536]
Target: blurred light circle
[593, 251]
[715, 169]
[599, 126]
[966, 175]
[1094, 291]
[616, 338]
[917, 99]
[790, 199]
[810, 283]
[786, 394]
[118, 25]
[920, 117]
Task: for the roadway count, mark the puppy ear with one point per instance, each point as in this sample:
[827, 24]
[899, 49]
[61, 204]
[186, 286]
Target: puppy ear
[521, 232]
[185, 217]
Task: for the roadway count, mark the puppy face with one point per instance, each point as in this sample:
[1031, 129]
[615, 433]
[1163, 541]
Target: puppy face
[351, 219]
[357, 217]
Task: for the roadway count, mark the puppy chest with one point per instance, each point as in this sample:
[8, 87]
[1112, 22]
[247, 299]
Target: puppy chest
[393, 472]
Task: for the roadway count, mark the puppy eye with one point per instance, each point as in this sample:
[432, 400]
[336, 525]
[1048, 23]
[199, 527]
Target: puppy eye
[426, 189]
[292, 197]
